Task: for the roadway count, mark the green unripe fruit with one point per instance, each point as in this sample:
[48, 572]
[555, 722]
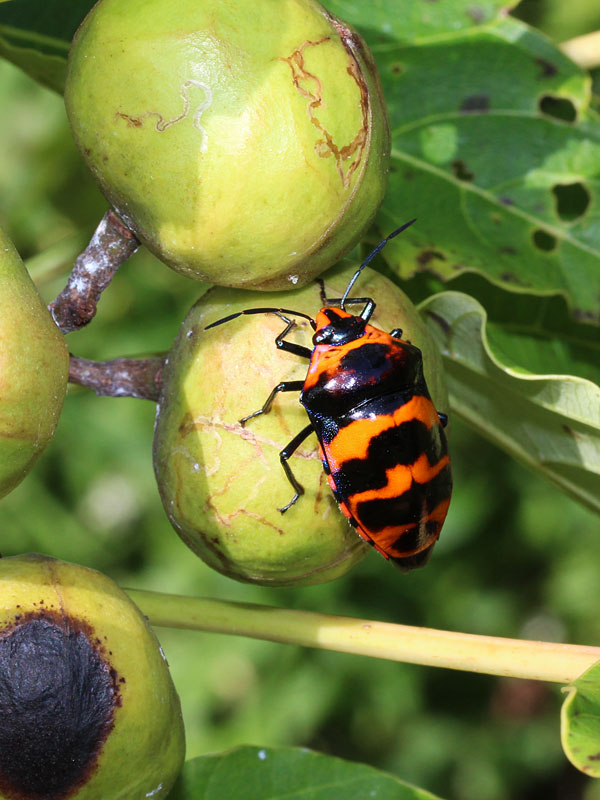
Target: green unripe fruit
[245, 142]
[34, 367]
[221, 483]
[87, 704]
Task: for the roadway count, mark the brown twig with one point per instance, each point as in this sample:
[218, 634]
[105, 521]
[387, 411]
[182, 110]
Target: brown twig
[111, 245]
[121, 377]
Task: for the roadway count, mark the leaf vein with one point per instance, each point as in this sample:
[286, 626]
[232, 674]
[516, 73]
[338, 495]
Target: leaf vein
[465, 188]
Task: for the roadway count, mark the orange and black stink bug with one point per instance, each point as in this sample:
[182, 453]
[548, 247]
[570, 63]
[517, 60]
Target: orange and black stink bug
[382, 442]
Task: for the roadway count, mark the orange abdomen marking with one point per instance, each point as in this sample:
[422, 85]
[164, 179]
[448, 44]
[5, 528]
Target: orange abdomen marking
[389, 466]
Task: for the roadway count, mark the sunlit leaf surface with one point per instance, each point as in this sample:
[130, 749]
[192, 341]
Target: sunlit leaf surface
[290, 773]
[550, 422]
[580, 722]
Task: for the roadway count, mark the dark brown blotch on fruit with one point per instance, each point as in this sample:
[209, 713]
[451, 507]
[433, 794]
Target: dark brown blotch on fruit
[57, 701]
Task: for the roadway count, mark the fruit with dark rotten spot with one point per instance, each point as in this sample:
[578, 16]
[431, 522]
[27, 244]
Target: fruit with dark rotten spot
[87, 704]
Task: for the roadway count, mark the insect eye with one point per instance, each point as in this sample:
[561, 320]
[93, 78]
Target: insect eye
[323, 336]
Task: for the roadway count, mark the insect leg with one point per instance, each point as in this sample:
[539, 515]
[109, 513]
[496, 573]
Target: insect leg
[284, 455]
[290, 347]
[284, 386]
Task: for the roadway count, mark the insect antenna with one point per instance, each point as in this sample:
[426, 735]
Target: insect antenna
[262, 311]
[370, 257]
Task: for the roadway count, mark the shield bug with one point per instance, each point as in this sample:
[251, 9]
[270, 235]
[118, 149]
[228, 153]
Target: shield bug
[382, 442]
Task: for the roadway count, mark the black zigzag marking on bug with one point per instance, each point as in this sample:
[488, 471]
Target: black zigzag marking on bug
[380, 406]
[409, 507]
[391, 448]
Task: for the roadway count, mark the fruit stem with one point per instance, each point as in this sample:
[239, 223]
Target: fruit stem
[547, 661]
[121, 377]
[111, 245]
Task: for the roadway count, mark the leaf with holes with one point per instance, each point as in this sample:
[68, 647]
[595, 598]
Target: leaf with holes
[580, 722]
[494, 150]
[293, 773]
[549, 422]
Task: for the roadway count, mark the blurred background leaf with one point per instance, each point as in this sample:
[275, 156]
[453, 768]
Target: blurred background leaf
[516, 558]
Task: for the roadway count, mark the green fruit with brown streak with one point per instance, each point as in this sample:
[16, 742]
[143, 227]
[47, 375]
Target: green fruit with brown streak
[246, 142]
[34, 367]
[222, 484]
[88, 708]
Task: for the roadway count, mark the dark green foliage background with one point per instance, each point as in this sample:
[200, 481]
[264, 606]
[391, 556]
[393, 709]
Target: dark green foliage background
[517, 558]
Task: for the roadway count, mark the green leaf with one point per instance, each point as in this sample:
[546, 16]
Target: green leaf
[292, 773]
[580, 722]
[494, 150]
[418, 19]
[533, 334]
[539, 338]
[549, 422]
[36, 35]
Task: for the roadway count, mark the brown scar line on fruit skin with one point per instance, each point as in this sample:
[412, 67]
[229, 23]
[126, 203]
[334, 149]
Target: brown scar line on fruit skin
[326, 147]
[227, 520]
[232, 480]
[324, 498]
[163, 124]
[204, 423]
